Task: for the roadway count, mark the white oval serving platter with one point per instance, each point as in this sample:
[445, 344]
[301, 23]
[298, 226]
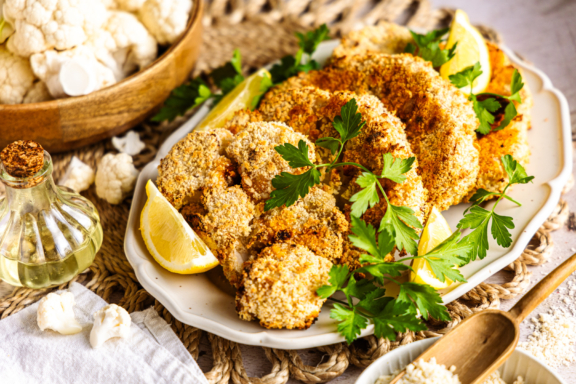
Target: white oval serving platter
[520, 363]
[196, 300]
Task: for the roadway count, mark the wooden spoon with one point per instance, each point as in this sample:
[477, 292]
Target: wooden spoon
[485, 340]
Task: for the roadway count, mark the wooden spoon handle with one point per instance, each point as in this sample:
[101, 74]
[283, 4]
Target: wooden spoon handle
[543, 289]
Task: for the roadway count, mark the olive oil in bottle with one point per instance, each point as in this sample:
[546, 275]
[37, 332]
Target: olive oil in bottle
[48, 234]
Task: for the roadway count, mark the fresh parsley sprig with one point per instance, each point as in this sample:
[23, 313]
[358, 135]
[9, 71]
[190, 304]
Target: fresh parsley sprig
[398, 221]
[302, 61]
[366, 300]
[478, 219]
[486, 104]
[428, 47]
[197, 91]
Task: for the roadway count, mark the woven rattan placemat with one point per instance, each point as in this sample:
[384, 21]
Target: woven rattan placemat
[264, 31]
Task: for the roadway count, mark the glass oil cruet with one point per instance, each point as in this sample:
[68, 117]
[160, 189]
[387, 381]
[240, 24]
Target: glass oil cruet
[48, 234]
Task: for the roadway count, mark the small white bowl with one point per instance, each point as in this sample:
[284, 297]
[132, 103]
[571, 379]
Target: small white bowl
[533, 370]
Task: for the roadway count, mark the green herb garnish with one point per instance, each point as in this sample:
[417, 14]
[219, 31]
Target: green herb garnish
[478, 219]
[302, 61]
[489, 104]
[196, 91]
[428, 47]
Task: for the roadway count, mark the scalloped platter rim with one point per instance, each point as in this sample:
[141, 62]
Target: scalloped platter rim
[198, 300]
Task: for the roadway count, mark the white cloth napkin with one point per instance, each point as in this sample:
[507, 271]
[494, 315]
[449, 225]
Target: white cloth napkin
[153, 353]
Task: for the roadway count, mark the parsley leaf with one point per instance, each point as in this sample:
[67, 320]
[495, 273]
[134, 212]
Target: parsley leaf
[396, 318]
[283, 70]
[499, 229]
[364, 236]
[310, 40]
[425, 298]
[483, 111]
[183, 98]
[301, 62]
[338, 275]
[196, 91]
[358, 289]
[296, 157]
[349, 123]
[395, 220]
[448, 254]
[466, 76]
[351, 322]
[428, 47]
[367, 197]
[509, 114]
[515, 87]
[516, 172]
[394, 169]
[477, 219]
[375, 301]
[290, 187]
[330, 143]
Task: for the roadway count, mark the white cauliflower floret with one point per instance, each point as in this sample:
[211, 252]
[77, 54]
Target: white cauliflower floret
[110, 321]
[46, 24]
[56, 312]
[79, 175]
[115, 177]
[129, 144]
[123, 44]
[73, 72]
[166, 19]
[16, 77]
[38, 93]
[125, 5]
[6, 29]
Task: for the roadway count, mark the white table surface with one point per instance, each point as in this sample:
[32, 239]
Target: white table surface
[544, 32]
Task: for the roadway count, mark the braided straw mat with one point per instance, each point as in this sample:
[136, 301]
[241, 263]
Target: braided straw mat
[264, 31]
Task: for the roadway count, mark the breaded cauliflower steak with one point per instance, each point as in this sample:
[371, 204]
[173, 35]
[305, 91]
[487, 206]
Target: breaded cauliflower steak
[311, 111]
[440, 121]
[223, 221]
[279, 287]
[193, 163]
[253, 150]
[313, 221]
[384, 37]
[512, 140]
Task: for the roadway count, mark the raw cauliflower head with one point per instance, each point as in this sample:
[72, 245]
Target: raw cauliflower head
[124, 5]
[166, 19]
[47, 66]
[16, 77]
[123, 44]
[38, 93]
[46, 24]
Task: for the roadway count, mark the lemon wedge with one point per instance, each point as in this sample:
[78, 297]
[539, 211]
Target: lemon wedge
[170, 240]
[436, 231]
[239, 98]
[470, 50]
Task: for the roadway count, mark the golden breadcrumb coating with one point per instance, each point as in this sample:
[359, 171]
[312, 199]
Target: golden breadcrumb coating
[512, 140]
[223, 220]
[311, 111]
[313, 221]
[193, 163]
[384, 37]
[440, 121]
[253, 150]
[279, 287]
[241, 119]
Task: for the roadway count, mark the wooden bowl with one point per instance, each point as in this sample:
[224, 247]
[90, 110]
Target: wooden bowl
[65, 124]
